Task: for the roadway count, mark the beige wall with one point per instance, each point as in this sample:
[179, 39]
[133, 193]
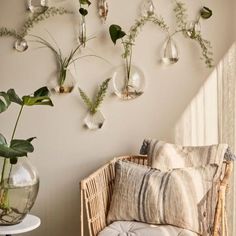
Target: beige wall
[65, 152]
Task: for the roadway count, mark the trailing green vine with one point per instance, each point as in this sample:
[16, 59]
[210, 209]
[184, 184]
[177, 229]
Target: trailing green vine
[180, 11]
[31, 21]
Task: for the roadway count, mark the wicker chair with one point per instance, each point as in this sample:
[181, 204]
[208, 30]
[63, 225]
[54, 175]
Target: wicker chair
[96, 193]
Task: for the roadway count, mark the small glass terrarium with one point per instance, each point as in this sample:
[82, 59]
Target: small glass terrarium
[64, 84]
[170, 54]
[128, 82]
[21, 45]
[19, 186]
[95, 120]
[37, 6]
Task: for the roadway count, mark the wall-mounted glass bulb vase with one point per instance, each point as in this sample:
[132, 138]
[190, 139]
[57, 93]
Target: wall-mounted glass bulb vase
[147, 8]
[103, 10]
[128, 82]
[193, 29]
[37, 6]
[95, 120]
[170, 54]
[63, 84]
[21, 45]
[82, 31]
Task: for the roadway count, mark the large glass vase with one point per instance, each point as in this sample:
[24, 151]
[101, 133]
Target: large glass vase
[19, 186]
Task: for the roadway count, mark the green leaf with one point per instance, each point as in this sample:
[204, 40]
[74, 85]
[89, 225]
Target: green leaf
[100, 95]
[205, 13]
[8, 152]
[2, 139]
[31, 139]
[13, 160]
[14, 97]
[20, 145]
[85, 2]
[116, 33]
[83, 11]
[86, 99]
[18, 148]
[4, 101]
[41, 100]
[41, 92]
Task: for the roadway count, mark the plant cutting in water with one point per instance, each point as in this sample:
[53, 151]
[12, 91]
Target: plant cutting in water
[65, 81]
[84, 4]
[21, 44]
[15, 149]
[92, 121]
[128, 41]
[192, 30]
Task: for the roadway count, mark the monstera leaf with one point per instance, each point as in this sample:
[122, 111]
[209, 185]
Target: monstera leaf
[40, 97]
[17, 148]
[4, 101]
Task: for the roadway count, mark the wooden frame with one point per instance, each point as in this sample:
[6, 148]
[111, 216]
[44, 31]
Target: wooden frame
[96, 193]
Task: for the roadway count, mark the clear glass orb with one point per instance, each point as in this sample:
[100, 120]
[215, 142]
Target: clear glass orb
[18, 190]
[21, 45]
[128, 84]
[170, 53]
[37, 6]
[193, 29]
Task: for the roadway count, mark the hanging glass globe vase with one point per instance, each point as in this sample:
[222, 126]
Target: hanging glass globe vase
[128, 82]
[82, 31]
[193, 29]
[63, 84]
[95, 120]
[147, 8]
[21, 45]
[37, 6]
[170, 53]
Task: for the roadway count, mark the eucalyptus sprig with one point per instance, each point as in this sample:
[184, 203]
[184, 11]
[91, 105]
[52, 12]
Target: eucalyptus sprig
[93, 105]
[31, 21]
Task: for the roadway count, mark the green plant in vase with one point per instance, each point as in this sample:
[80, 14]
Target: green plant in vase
[84, 4]
[19, 181]
[128, 80]
[95, 119]
[192, 29]
[65, 82]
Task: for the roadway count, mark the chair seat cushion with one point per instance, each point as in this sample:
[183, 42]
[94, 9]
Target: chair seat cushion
[132, 228]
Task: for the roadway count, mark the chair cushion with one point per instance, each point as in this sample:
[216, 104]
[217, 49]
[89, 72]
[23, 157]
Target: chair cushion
[132, 228]
[177, 197]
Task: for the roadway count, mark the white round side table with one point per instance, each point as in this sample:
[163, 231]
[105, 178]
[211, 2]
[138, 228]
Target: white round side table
[30, 223]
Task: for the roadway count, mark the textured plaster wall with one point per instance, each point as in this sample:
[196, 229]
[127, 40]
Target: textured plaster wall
[65, 152]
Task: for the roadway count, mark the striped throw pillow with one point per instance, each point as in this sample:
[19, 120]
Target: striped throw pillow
[175, 197]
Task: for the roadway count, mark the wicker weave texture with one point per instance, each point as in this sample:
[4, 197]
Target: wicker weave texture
[97, 189]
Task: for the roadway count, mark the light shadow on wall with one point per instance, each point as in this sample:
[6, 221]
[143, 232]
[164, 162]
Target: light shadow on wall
[199, 123]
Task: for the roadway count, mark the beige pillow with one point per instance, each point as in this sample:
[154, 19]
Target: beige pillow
[176, 197]
[165, 156]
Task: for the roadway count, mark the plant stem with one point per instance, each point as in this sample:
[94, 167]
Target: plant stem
[17, 120]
